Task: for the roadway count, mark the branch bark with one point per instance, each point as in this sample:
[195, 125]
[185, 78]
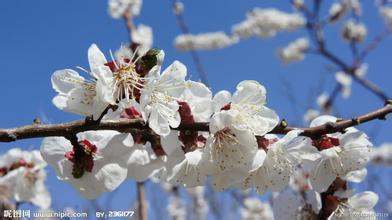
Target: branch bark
[126, 126]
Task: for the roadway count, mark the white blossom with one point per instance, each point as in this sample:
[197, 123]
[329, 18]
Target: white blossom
[281, 159]
[311, 114]
[23, 175]
[382, 155]
[345, 81]
[232, 145]
[358, 205]
[339, 155]
[289, 204]
[200, 203]
[294, 51]
[336, 11]
[142, 35]
[159, 97]
[204, 41]
[79, 95]
[199, 98]
[118, 8]
[176, 207]
[192, 171]
[232, 152]
[322, 99]
[386, 13]
[178, 7]
[255, 209]
[353, 31]
[93, 167]
[140, 159]
[267, 23]
[341, 8]
[298, 4]
[354, 5]
[246, 108]
[119, 79]
[361, 71]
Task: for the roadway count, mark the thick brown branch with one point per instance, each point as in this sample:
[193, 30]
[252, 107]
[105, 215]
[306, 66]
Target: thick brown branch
[66, 129]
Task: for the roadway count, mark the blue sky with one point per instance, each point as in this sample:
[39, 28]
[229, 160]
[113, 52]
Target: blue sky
[39, 37]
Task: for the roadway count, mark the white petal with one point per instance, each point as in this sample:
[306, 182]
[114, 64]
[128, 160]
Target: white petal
[158, 124]
[96, 60]
[322, 175]
[53, 149]
[176, 71]
[112, 175]
[220, 121]
[170, 142]
[42, 196]
[364, 200]
[221, 99]
[250, 91]
[322, 120]
[356, 176]
[63, 81]
[189, 172]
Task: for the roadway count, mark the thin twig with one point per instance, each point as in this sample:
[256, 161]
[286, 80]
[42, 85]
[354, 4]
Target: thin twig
[141, 197]
[195, 56]
[373, 45]
[129, 24]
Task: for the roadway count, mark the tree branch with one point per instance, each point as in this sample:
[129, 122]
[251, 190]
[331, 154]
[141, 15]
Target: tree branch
[315, 30]
[129, 24]
[195, 56]
[142, 205]
[125, 126]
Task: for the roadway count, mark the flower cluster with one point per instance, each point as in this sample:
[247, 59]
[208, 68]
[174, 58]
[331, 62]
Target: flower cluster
[236, 151]
[205, 41]
[22, 175]
[294, 51]
[267, 23]
[341, 8]
[117, 8]
[255, 209]
[382, 155]
[353, 31]
[386, 12]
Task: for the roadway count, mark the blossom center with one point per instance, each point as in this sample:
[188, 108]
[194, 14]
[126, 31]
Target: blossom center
[224, 137]
[127, 82]
[325, 142]
[264, 143]
[82, 158]
[131, 113]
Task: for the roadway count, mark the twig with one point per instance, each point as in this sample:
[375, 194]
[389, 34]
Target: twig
[129, 24]
[331, 98]
[373, 45]
[315, 30]
[123, 125]
[195, 56]
[141, 197]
